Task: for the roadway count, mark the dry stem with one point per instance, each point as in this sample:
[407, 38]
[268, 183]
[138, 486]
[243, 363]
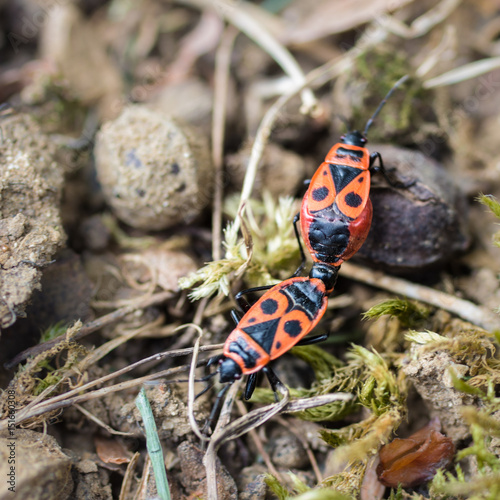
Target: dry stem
[463, 308]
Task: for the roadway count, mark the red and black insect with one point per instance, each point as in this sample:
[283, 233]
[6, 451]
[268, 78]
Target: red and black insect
[336, 212]
[278, 321]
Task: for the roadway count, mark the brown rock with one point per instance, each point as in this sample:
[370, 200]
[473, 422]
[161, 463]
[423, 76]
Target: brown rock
[421, 225]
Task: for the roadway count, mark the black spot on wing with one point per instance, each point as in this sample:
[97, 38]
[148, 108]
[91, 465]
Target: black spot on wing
[353, 200]
[293, 327]
[320, 194]
[269, 306]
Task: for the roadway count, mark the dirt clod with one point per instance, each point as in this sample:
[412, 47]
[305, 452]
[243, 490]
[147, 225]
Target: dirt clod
[194, 474]
[40, 469]
[430, 376]
[288, 452]
[30, 224]
[155, 173]
[169, 405]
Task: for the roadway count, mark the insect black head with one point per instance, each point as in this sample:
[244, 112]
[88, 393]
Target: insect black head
[229, 370]
[326, 273]
[354, 138]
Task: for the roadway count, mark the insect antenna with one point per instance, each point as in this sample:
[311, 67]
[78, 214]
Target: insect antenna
[203, 391]
[384, 100]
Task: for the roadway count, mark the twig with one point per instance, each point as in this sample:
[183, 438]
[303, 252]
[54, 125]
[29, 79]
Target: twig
[463, 308]
[100, 423]
[142, 489]
[112, 344]
[422, 24]
[191, 395]
[49, 405]
[129, 477]
[464, 72]
[210, 458]
[258, 444]
[76, 396]
[91, 327]
[221, 79]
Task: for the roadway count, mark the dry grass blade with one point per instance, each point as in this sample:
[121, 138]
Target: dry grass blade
[109, 346]
[92, 326]
[258, 417]
[129, 479]
[423, 24]
[238, 15]
[100, 423]
[258, 444]
[250, 421]
[465, 72]
[221, 80]
[191, 394]
[210, 459]
[69, 398]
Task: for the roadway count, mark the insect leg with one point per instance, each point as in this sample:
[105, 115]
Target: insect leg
[215, 409]
[243, 303]
[236, 315]
[273, 380]
[381, 169]
[250, 387]
[313, 340]
[302, 254]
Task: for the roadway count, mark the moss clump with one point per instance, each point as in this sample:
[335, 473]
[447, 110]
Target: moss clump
[267, 253]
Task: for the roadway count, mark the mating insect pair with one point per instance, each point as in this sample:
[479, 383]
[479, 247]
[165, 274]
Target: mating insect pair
[335, 219]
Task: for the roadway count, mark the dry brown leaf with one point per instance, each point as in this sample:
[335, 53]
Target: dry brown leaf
[111, 451]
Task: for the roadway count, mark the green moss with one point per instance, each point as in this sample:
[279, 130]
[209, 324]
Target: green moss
[268, 238]
[53, 331]
[323, 363]
[491, 202]
[408, 312]
[300, 491]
